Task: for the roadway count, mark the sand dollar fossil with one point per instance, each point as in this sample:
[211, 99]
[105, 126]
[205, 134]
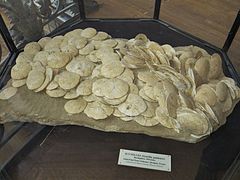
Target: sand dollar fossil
[117, 113]
[75, 106]
[96, 73]
[88, 32]
[116, 88]
[133, 62]
[85, 87]
[121, 43]
[37, 66]
[221, 91]
[41, 57]
[92, 57]
[107, 57]
[20, 70]
[98, 110]
[150, 111]
[192, 121]
[147, 77]
[206, 94]
[48, 79]
[109, 43]
[68, 80]
[24, 57]
[100, 36]
[81, 67]
[90, 98]
[80, 42]
[149, 92]
[144, 96]
[19, 83]
[58, 59]
[7, 93]
[35, 79]
[52, 85]
[202, 68]
[112, 69]
[98, 86]
[43, 41]
[116, 101]
[169, 50]
[72, 94]
[71, 50]
[32, 48]
[146, 121]
[56, 93]
[215, 67]
[133, 106]
[127, 76]
[133, 89]
[75, 33]
[165, 120]
[86, 50]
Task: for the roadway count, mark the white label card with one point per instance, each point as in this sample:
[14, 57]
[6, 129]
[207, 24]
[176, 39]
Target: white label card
[146, 160]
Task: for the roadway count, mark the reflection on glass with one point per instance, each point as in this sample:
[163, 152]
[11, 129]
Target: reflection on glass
[3, 50]
[122, 9]
[29, 20]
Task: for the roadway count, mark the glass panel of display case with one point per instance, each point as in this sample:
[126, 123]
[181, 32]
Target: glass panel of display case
[119, 9]
[30, 20]
[4, 52]
[234, 52]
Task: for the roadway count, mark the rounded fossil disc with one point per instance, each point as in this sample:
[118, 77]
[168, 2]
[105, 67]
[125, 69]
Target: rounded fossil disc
[115, 101]
[86, 50]
[18, 83]
[88, 32]
[115, 88]
[146, 121]
[100, 36]
[20, 70]
[98, 110]
[58, 59]
[133, 106]
[127, 76]
[24, 57]
[72, 94]
[8, 93]
[56, 93]
[221, 91]
[98, 86]
[48, 78]
[150, 111]
[164, 119]
[41, 57]
[112, 69]
[35, 79]
[81, 67]
[68, 80]
[32, 48]
[192, 121]
[206, 94]
[75, 106]
[85, 87]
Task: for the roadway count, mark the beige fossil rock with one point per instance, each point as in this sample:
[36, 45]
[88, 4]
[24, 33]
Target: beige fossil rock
[68, 80]
[75, 106]
[7, 93]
